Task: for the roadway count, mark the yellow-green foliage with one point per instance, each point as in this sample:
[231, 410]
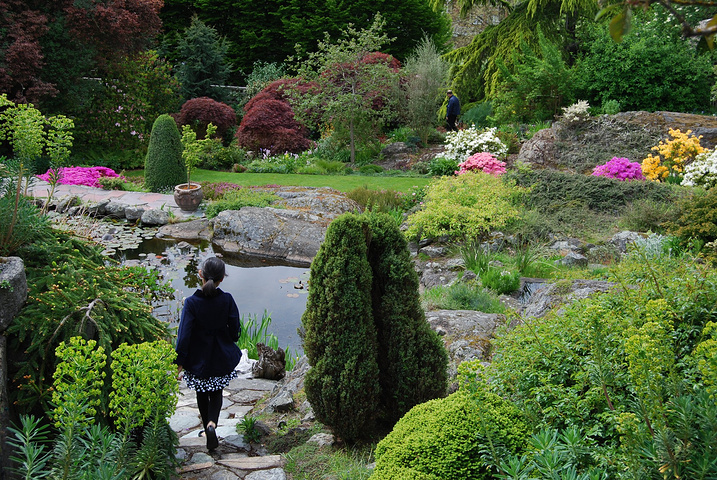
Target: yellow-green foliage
[706, 353]
[650, 357]
[79, 378]
[449, 438]
[630, 368]
[468, 205]
[192, 148]
[144, 383]
[402, 473]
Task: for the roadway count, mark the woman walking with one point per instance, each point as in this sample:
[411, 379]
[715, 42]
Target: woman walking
[206, 344]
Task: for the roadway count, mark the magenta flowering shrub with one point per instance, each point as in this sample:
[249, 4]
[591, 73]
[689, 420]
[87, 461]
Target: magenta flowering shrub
[484, 162]
[88, 176]
[621, 169]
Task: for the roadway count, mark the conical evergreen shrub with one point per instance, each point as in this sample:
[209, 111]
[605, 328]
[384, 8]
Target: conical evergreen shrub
[412, 359]
[163, 166]
[373, 354]
[340, 342]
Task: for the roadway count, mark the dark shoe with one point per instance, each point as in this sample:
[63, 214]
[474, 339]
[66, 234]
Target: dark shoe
[212, 441]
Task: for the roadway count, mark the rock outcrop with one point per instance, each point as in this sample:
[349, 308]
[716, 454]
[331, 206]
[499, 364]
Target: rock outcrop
[293, 233]
[289, 235]
[626, 134]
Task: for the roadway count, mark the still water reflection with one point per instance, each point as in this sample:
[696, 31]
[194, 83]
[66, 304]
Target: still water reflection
[256, 285]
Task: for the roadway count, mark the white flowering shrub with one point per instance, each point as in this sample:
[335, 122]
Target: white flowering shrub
[577, 112]
[464, 143]
[703, 171]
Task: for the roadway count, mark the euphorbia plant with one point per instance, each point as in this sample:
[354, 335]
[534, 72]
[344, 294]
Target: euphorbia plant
[193, 147]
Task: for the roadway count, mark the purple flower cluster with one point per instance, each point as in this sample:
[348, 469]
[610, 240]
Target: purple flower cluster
[88, 176]
[621, 169]
[484, 162]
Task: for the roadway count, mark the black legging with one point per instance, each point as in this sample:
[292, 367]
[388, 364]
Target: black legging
[210, 404]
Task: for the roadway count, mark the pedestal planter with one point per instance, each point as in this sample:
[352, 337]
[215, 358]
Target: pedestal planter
[188, 196]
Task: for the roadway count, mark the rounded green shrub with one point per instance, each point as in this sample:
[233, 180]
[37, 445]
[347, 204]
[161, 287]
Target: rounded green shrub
[453, 438]
[697, 217]
[340, 341]
[163, 166]
[373, 354]
[402, 473]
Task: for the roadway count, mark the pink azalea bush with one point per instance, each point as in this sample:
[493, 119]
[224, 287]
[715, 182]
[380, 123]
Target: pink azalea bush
[621, 169]
[484, 162]
[88, 176]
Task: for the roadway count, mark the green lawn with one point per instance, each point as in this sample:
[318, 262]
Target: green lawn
[343, 183]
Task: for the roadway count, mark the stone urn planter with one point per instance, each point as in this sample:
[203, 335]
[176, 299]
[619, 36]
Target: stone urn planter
[188, 196]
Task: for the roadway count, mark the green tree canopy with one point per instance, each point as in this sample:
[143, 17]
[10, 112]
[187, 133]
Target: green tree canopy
[269, 30]
[475, 68]
[358, 85]
[651, 68]
[202, 54]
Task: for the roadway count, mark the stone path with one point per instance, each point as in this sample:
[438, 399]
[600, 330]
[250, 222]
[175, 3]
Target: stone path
[234, 459]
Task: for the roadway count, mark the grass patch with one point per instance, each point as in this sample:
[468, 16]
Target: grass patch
[461, 296]
[309, 461]
[342, 183]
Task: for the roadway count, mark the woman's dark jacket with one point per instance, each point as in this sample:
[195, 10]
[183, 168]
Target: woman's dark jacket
[208, 331]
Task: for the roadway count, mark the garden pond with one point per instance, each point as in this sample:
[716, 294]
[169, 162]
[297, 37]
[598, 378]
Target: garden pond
[257, 285]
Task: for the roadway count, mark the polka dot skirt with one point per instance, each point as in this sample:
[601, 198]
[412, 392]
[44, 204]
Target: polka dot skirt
[210, 384]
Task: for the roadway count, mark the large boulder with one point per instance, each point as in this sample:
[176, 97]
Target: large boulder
[13, 293]
[323, 202]
[191, 230]
[292, 233]
[269, 232]
[466, 334]
[554, 295]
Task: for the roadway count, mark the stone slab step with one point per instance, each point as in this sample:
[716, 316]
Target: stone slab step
[195, 467]
[253, 463]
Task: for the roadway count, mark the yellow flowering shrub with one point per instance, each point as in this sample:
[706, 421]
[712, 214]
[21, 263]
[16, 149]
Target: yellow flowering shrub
[672, 156]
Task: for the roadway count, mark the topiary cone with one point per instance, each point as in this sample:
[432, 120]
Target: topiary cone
[163, 165]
